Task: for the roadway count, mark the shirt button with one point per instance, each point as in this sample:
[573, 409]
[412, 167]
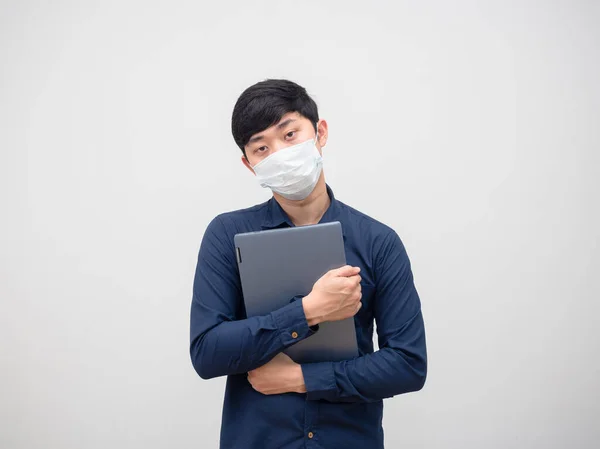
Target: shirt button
[310, 434]
[294, 334]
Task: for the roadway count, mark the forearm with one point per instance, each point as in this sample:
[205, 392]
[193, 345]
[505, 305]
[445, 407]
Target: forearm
[234, 347]
[385, 373]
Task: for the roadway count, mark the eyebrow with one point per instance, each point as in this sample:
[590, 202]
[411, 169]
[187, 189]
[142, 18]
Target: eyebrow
[285, 123]
[279, 126]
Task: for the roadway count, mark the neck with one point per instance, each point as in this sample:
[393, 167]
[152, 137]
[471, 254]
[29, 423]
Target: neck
[309, 210]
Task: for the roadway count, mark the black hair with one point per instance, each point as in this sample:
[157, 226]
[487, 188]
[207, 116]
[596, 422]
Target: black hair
[263, 104]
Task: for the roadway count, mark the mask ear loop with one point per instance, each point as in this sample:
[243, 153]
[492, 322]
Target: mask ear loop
[320, 158]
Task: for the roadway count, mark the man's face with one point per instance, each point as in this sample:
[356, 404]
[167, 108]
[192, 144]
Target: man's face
[291, 129]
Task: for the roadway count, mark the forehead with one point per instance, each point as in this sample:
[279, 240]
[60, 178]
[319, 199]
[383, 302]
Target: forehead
[290, 115]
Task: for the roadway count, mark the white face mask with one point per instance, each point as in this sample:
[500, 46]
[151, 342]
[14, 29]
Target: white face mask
[292, 172]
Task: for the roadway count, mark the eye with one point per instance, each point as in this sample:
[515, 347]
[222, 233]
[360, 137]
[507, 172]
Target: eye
[290, 135]
[260, 149]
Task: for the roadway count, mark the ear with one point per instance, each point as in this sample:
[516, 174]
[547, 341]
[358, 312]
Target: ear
[247, 164]
[323, 132]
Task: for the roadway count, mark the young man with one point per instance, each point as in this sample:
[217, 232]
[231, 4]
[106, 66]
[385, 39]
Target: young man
[270, 401]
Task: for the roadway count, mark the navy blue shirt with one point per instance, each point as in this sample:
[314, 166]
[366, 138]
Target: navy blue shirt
[343, 405]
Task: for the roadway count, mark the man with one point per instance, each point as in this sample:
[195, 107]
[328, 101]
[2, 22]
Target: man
[270, 401]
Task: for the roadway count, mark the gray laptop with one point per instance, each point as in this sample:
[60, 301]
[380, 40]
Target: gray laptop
[278, 264]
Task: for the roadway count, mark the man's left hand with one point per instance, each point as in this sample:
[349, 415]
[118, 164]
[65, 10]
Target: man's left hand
[280, 375]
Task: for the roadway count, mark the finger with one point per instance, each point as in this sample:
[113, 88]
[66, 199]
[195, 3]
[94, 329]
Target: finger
[348, 288]
[345, 271]
[354, 278]
[359, 306]
[353, 281]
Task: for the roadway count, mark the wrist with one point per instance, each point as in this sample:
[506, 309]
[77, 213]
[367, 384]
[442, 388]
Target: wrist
[310, 310]
[298, 379]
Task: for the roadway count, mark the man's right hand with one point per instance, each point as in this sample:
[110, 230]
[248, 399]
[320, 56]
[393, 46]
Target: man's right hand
[335, 296]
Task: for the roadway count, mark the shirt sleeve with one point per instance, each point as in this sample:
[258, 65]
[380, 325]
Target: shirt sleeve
[222, 340]
[400, 365]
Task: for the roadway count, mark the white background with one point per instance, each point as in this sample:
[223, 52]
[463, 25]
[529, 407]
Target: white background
[471, 128]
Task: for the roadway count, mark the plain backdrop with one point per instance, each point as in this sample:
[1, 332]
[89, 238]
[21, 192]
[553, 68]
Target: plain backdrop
[471, 128]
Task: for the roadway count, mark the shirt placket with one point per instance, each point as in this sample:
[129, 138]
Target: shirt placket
[311, 431]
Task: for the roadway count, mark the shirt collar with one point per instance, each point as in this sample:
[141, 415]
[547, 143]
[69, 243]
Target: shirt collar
[276, 217]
